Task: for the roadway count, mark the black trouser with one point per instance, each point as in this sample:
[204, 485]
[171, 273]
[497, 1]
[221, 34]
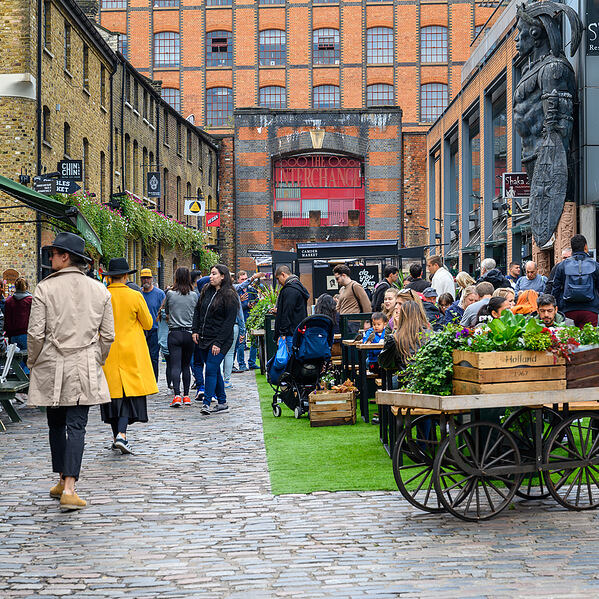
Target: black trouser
[67, 438]
[180, 349]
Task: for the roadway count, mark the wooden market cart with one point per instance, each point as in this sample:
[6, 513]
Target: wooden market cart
[470, 454]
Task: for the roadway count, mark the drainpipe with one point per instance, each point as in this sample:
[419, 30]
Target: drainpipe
[38, 110]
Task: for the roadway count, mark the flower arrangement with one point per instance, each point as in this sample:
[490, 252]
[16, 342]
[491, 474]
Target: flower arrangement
[137, 221]
[266, 302]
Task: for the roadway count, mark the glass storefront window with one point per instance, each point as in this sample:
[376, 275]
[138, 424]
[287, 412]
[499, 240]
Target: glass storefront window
[499, 142]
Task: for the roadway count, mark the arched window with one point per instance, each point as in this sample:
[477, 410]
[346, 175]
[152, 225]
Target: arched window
[379, 94]
[379, 45]
[325, 46]
[273, 97]
[219, 49]
[167, 49]
[219, 106]
[433, 44]
[172, 96]
[326, 96]
[273, 47]
[433, 101]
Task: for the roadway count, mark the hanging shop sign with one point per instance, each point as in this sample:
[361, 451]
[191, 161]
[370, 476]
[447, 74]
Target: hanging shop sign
[318, 172]
[213, 219]
[153, 184]
[194, 208]
[516, 185]
[70, 169]
[50, 187]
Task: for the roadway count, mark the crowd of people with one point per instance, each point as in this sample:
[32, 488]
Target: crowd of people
[91, 342]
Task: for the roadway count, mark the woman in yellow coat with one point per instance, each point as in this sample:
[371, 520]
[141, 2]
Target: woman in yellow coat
[128, 368]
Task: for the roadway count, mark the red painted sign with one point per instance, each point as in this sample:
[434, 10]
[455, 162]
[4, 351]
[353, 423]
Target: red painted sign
[213, 219]
[318, 172]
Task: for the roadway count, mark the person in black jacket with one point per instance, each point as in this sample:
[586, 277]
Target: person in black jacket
[493, 275]
[390, 276]
[213, 322]
[291, 305]
[434, 315]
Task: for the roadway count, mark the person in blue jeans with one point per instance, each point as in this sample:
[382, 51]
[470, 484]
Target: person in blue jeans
[212, 330]
[154, 297]
[248, 297]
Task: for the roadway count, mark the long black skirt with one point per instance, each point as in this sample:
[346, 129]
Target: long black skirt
[133, 408]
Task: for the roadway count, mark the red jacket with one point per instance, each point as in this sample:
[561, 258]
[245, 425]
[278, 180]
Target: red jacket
[16, 315]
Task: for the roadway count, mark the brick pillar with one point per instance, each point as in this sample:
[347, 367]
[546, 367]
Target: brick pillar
[226, 202]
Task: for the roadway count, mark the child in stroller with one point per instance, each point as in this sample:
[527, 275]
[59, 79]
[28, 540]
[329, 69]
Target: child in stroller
[310, 351]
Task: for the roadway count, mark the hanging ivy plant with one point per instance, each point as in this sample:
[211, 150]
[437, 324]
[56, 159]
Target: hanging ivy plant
[136, 221]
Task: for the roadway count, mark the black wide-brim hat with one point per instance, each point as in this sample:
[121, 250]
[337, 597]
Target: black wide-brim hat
[118, 267]
[69, 242]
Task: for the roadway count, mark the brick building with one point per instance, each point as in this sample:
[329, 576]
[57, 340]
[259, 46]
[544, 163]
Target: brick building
[317, 56]
[475, 142]
[67, 98]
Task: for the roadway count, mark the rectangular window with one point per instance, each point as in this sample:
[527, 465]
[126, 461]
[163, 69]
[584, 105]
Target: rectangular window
[499, 142]
[179, 138]
[166, 3]
[165, 133]
[128, 87]
[85, 160]
[46, 125]
[67, 47]
[219, 2]
[475, 195]
[123, 45]
[102, 85]
[135, 95]
[272, 1]
[102, 175]
[85, 67]
[48, 25]
[189, 150]
[114, 3]
[67, 141]
[146, 99]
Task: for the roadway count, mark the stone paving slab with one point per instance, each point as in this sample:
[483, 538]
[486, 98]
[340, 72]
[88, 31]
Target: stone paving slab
[191, 515]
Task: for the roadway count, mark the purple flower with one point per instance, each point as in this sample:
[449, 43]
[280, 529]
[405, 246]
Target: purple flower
[462, 333]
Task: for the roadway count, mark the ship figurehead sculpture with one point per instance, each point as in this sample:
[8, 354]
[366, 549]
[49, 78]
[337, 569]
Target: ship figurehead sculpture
[543, 106]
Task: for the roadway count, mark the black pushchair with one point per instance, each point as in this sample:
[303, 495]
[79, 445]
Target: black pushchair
[311, 350]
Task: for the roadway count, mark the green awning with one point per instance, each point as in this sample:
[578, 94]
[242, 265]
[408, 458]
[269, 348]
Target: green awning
[53, 208]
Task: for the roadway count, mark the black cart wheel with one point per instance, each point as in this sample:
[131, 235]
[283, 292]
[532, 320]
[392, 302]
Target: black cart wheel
[572, 458]
[276, 411]
[522, 425]
[475, 479]
[413, 459]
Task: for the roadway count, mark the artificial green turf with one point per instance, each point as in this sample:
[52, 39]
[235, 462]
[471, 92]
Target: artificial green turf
[302, 459]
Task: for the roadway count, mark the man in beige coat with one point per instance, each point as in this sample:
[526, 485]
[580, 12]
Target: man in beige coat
[70, 332]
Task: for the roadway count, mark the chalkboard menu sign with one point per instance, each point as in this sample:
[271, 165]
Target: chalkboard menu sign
[592, 28]
[324, 280]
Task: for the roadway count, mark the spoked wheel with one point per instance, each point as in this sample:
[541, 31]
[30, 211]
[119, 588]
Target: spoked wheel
[413, 458]
[572, 455]
[475, 480]
[276, 410]
[522, 425]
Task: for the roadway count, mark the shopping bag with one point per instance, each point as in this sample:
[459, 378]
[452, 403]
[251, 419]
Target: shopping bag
[282, 355]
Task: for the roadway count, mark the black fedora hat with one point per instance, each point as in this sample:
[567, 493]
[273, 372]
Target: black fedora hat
[118, 267]
[69, 242]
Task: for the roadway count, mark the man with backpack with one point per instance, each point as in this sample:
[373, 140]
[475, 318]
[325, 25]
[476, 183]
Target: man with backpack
[576, 284]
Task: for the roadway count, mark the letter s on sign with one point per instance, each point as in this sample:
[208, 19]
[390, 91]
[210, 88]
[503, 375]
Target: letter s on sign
[593, 31]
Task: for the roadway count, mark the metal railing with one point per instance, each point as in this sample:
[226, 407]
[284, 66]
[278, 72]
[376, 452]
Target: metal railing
[327, 219]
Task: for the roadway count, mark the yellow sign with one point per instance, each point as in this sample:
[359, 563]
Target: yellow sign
[194, 208]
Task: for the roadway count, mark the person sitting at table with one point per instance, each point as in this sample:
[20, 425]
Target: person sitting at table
[375, 334]
[389, 304]
[527, 303]
[492, 310]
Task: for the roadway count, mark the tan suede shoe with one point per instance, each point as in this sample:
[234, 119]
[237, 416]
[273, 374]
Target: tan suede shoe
[56, 491]
[72, 502]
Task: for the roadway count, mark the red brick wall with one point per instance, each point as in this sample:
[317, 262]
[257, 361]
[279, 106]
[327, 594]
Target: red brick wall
[414, 189]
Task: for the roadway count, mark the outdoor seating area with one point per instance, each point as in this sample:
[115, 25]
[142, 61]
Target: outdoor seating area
[13, 380]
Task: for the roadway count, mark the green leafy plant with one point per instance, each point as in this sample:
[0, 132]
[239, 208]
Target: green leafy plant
[136, 221]
[431, 369]
[268, 300]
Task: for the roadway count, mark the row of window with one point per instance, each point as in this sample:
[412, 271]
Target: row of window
[219, 100]
[175, 3]
[273, 47]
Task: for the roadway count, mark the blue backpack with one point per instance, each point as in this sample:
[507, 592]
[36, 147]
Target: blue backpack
[579, 285]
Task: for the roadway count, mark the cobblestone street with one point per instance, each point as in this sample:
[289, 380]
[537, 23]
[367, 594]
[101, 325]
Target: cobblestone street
[191, 515]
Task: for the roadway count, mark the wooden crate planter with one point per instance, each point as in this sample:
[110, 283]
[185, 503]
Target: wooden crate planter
[332, 409]
[583, 369]
[506, 372]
